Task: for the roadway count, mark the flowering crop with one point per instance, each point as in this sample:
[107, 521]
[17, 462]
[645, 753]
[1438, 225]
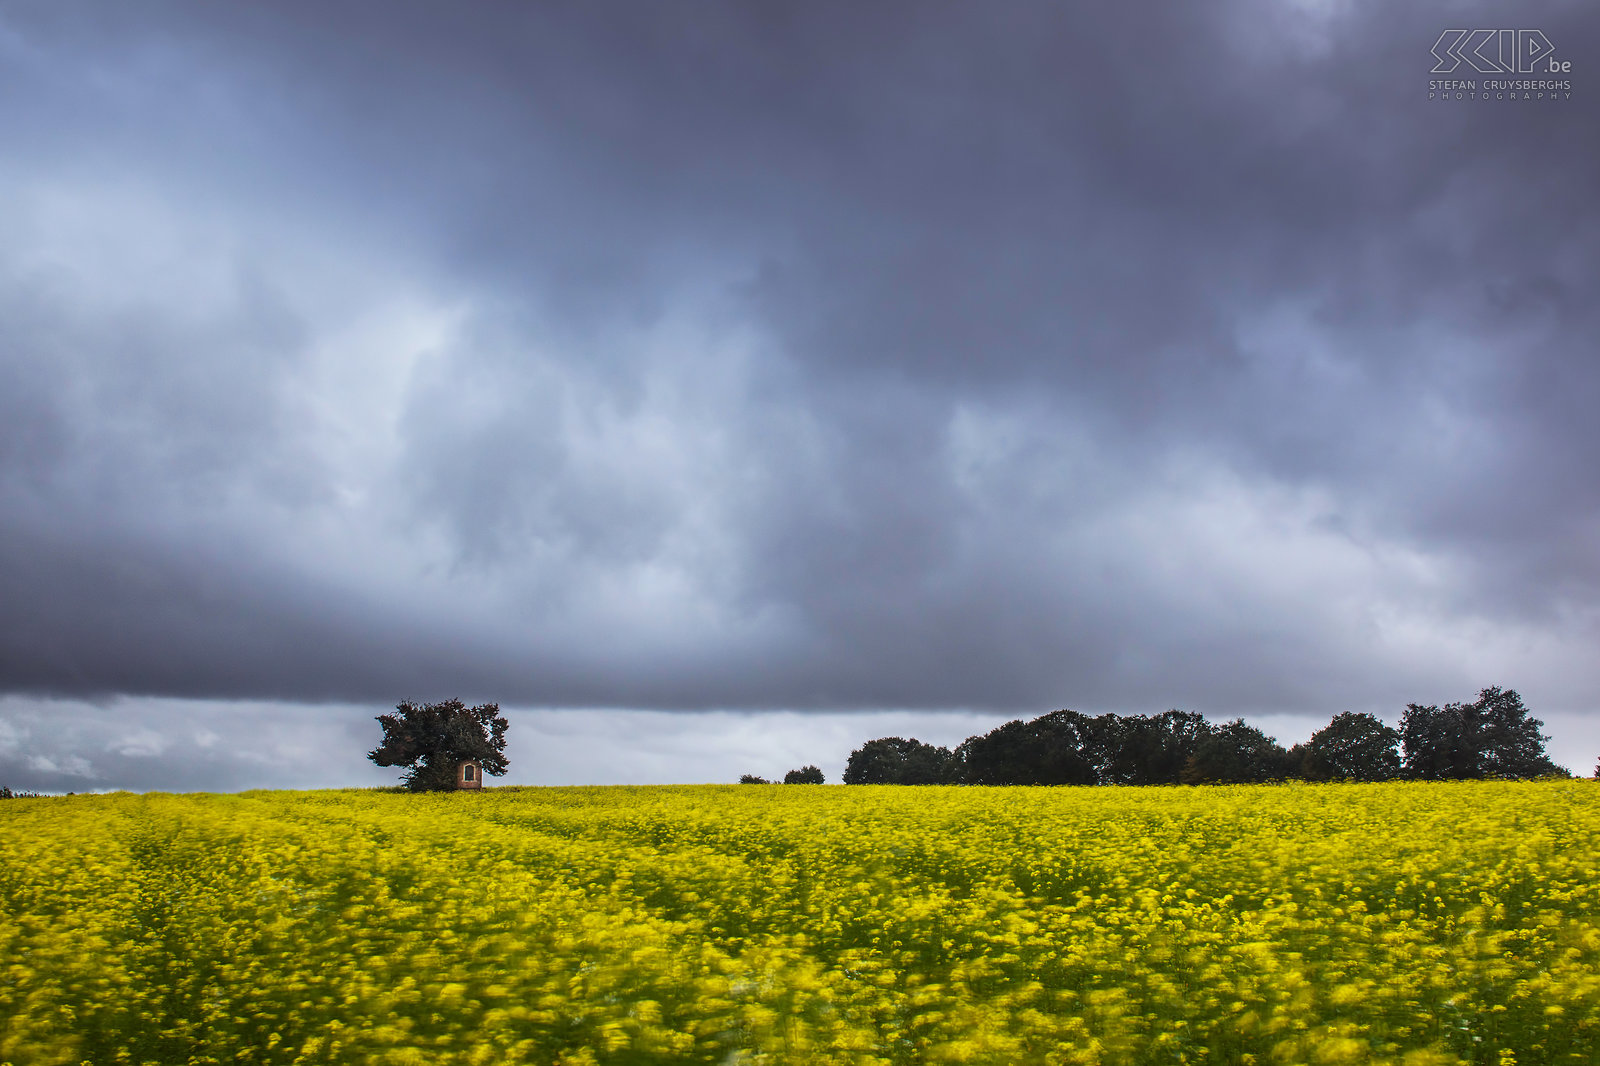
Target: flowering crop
[1407, 923]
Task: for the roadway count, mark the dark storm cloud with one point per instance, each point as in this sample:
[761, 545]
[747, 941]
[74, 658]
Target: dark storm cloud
[827, 356]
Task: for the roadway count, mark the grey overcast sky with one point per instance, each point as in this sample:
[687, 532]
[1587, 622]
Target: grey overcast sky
[721, 384]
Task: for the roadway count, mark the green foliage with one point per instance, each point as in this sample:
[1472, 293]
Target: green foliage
[432, 739]
[1434, 746]
[806, 775]
[752, 779]
[1509, 742]
[1495, 736]
[1069, 748]
[897, 761]
[1492, 737]
[1149, 749]
[1053, 749]
[1352, 747]
[7, 793]
[1236, 753]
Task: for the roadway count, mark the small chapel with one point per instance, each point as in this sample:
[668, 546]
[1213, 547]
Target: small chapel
[469, 774]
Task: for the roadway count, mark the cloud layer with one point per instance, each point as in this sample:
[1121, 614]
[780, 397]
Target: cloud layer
[817, 359]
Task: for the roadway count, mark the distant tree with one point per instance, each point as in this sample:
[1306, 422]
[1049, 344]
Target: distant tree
[806, 775]
[1352, 747]
[1149, 749]
[1509, 742]
[1433, 741]
[1069, 748]
[752, 779]
[898, 761]
[1236, 753]
[6, 794]
[1060, 748]
[1495, 736]
[432, 739]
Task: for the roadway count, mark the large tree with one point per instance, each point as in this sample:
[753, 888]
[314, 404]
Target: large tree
[1509, 740]
[1236, 753]
[1069, 748]
[1060, 748]
[1434, 743]
[432, 739]
[898, 761]
[1352, 747]
[1494, 736]
[1149, 749]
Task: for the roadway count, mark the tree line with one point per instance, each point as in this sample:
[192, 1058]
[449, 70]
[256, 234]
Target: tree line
[1494, 736]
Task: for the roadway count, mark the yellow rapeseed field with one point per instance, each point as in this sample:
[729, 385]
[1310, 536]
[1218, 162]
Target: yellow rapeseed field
[1404, 923]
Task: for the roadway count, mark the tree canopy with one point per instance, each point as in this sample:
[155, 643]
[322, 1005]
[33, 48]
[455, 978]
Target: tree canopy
[1069, 748]
[1493, 736]
[1059, 748]
[897, 761]
[1153, 749]
[1352, 747]
[806, 775]
[1236, 753]
[432, 739]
